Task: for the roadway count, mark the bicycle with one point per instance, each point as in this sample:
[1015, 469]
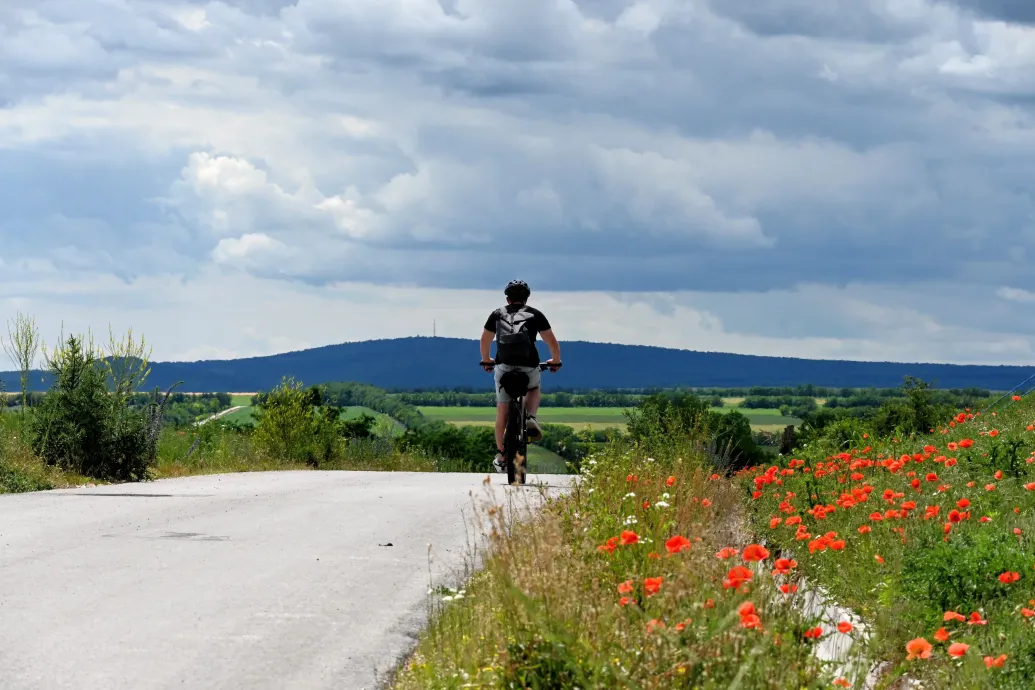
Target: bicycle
[515, 436]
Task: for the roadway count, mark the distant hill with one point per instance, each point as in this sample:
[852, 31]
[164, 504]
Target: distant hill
[445, 363]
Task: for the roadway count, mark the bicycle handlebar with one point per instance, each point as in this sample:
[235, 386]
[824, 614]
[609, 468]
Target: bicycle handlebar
[543, 366]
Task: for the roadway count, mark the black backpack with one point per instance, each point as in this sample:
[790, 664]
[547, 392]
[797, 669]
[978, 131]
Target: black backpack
[515, 341]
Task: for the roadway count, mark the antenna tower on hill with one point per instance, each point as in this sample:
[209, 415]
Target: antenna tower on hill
[434, 329]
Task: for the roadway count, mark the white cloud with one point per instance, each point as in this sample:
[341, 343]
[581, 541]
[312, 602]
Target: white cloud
[1016, 295]
[249, 247]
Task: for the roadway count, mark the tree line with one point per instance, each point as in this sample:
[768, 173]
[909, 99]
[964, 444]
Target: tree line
[488, 399]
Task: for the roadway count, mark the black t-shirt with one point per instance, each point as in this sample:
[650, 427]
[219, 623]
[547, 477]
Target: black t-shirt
[538, 325]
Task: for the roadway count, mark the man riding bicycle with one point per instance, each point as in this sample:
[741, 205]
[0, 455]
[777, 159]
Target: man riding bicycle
[515, 328]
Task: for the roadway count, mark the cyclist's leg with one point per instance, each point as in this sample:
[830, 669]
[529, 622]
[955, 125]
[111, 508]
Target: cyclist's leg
[532, 399]
[502, 403]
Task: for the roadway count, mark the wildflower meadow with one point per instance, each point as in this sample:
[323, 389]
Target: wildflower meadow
[854, 562]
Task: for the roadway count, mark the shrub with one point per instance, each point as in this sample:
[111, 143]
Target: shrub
[82, 427]
[473, 448]
[292, 426]
[663, 418]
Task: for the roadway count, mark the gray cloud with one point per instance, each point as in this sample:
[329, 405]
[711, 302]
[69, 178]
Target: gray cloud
[655, 146]
[1008, 10]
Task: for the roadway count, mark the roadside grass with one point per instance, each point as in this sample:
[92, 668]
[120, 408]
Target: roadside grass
[240, 401]
[216, 449]
[568, 597]
[928, 538]
[20, 469]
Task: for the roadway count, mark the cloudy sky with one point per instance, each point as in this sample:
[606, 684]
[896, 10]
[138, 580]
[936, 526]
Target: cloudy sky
[847, 179]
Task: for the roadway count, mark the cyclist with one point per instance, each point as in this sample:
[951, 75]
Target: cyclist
[515, 328]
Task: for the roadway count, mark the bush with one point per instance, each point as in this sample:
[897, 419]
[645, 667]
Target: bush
[473, 448]
[292, 426]
[81, 426]
[664, 417]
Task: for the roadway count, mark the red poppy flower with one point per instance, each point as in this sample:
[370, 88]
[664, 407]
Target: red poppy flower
[737, 577]
[652, 584]
[629, 537]
[677, 544]
[755, 552]
[958, 649]
[918, 648]
[750, 622]
[942, 635]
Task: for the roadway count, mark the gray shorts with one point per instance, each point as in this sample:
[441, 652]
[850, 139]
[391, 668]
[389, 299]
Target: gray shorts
[534, 378]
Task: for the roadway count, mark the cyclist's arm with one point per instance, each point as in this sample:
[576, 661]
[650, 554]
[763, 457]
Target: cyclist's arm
[551, 341]
[487, 338]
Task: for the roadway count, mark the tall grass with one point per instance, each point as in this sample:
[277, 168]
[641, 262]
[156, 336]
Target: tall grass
[215, 448]
[20, 468]
[569, 599]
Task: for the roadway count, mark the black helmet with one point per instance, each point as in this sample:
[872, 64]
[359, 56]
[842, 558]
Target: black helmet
[517, 291]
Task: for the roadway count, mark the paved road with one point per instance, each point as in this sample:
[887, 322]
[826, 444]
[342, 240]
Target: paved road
[272, 580]
[224, 413]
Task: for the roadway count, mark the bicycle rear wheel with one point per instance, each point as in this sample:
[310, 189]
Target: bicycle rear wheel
[514, 446]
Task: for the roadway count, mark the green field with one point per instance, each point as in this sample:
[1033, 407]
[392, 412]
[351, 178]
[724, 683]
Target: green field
[577, 417]
[589, 417]
[380, 418]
